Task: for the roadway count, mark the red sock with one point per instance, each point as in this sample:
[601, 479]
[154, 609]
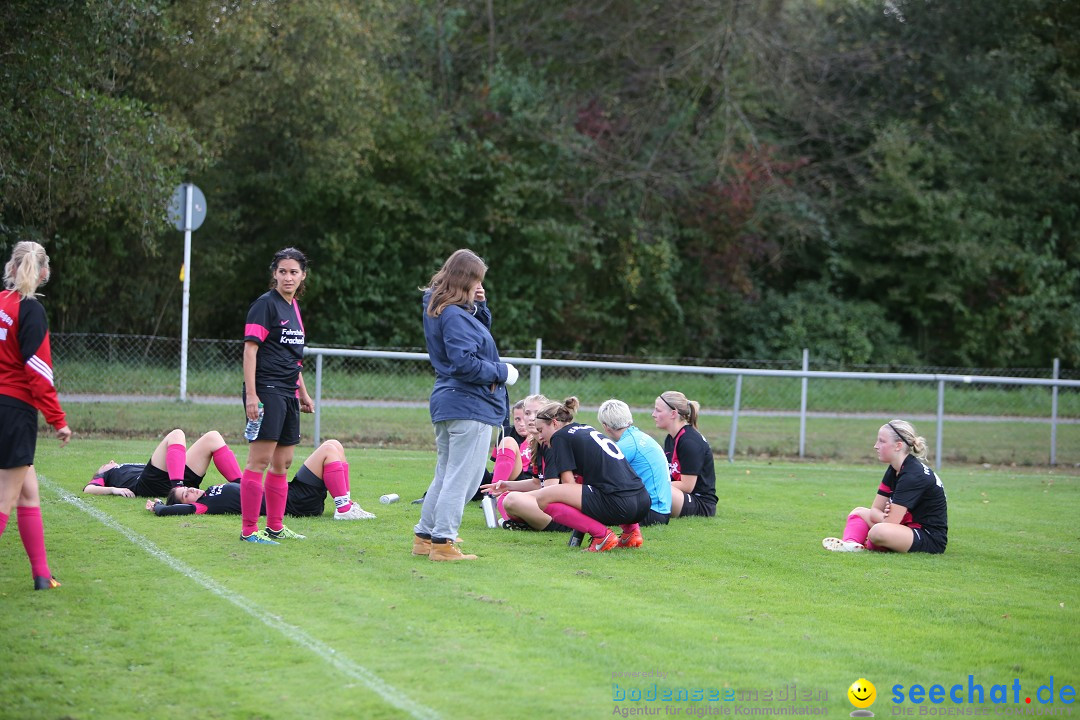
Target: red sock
[856, 529]
[627, 529]
[32, 532]
[3, 523]
[175, 459]
[504, 464]
[277, 492]
[251, 498]
[336, 485]
[573, 518]
[225, 462]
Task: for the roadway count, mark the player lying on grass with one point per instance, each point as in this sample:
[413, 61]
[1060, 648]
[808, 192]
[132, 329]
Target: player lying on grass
[610, 492]
[324, 471]
[172, 464]
[909, 513]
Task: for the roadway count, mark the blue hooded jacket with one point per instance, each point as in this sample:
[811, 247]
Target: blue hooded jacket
[469, 375]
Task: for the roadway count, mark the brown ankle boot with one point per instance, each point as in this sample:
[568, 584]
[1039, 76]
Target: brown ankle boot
[447, 552]
[421, 546]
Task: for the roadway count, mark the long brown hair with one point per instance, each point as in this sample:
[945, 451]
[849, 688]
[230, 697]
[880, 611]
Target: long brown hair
[456, 281]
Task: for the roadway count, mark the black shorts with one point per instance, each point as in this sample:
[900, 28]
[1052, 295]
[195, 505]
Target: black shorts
[926, 542]
[655, 518]
[155, 482]
[694, 505]
[307, 494]
[611, 509]
[281, 418]
[18, 435]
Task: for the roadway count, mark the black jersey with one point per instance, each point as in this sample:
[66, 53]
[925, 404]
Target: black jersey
[145, 480]
[221, 499]
[599, 461]
[126, 476]
[689, 453]
[919, 489]
[276, 325]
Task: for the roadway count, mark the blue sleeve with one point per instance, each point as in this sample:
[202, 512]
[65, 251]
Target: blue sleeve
[462, 345]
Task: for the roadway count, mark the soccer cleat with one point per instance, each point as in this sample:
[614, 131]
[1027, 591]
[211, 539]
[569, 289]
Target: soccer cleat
[259, 537]
[514, 525]
[354, 513]
[603, 544]
[631, 540]
[838, 545]
[284, 534]
[46, 583]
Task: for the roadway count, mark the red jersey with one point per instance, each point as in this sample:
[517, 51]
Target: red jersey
[26, 373]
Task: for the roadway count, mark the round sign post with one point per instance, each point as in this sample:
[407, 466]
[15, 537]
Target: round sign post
[187, 210]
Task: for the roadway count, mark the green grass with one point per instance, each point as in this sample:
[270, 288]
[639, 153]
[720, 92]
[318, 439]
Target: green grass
[747, 600]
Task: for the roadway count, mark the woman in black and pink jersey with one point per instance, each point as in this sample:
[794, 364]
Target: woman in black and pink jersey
[690, 459]
[274, 387]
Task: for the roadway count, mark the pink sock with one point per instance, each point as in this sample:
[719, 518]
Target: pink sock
[856, 529]
[3, 523]
[277, 491]
[627, 529]
[175, 458]
[334, 479]
[32, 532]
[225, 462]
[251, 498]
[504, 464]
[574, 518]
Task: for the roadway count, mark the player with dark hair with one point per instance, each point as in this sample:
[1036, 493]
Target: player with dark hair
[324, 471]
[26, 386]
[170, 465]
[274, 387]
[690, 459]
[909, 513]
[595, 484]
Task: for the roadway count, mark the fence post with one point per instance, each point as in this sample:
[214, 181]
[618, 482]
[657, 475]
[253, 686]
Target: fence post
[734, 418]
[1054, 413]
[940, 422]
[534, 372]
[318, 397]
[802, 403]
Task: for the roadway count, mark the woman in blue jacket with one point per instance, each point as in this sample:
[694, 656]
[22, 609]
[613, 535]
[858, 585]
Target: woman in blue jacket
[467, 402]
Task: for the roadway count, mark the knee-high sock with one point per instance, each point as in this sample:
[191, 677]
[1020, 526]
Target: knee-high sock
[504, 464]
[251, 499]
[336, 485]
[32, 532]
[277, 492]
[856, 529]
[3, 523]
[175, 458]
[225, 462]
[627, 529]
[572, 517]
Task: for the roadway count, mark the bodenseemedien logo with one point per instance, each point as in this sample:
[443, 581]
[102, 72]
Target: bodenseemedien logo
[862, 695]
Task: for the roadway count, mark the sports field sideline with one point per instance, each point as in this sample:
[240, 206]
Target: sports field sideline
[174, 617]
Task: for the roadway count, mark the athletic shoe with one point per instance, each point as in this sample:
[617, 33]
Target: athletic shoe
[258, 537]
[46, 583]
[354, 513]
[284, 534]
[603, 544]
[838, 545]
[514, 525]
[633, 540]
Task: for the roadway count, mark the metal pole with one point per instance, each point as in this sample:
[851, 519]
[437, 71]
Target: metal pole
[1054, 413]
[802, 404]
[735, 418]
[318, 397]
[534, 373]
[940, 422]
[187, 291]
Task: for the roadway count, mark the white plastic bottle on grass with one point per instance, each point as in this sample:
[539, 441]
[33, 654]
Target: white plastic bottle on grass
[251, 430]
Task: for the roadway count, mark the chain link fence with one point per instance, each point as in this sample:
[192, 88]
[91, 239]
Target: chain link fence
[989, 422]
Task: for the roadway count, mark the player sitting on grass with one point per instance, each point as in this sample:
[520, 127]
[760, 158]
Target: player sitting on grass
[325, 470]
[909, 513]
[644, 455]
[690, 459]
[171, 465]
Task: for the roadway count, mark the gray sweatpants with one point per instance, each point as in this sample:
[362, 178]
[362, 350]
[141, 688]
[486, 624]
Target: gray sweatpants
[463, 447]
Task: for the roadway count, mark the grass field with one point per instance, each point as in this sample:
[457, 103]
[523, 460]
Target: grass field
[175, 618]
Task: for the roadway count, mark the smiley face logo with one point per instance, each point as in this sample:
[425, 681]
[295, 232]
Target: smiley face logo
[862, 693]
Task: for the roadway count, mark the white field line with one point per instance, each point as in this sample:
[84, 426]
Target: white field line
[354, 670]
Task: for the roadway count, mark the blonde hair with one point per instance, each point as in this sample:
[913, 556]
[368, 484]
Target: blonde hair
[615, 414]
[534, 440]
[22, 273]
[905, 433]
[687, 409]
[455, 282]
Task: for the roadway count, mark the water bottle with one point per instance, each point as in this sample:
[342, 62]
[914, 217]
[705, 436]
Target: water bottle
[389, 498]
[491, 515]
[251, 430]
[575, 538]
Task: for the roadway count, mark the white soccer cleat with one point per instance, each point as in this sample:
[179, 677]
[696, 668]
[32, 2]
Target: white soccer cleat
[838, 545]
[354, 513]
